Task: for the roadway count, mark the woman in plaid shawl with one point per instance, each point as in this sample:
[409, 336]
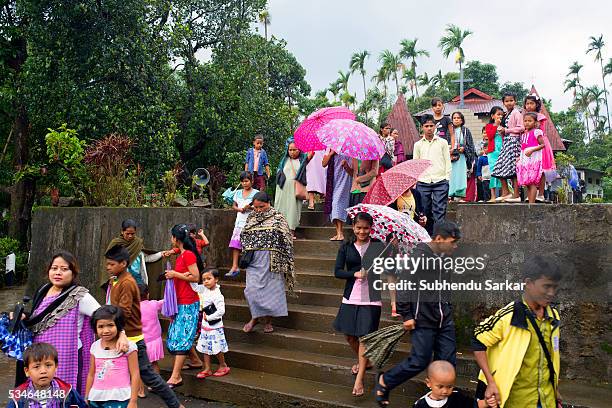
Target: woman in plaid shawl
[271, 269]
[60, 316]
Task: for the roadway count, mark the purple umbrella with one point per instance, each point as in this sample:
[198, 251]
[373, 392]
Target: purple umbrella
[170, 306]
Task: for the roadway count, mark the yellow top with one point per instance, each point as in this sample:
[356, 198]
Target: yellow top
[406, 204]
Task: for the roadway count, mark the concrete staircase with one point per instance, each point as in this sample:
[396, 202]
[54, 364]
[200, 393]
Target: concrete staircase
[303, 363]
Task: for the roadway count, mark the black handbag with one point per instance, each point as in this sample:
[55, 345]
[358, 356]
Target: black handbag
[246, 258]
[386, 161]
[210, 309]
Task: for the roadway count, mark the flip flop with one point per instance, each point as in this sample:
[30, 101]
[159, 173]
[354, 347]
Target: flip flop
[248, 328]
[189, 366]
[203, 374]
[221, 372]
[173, 386]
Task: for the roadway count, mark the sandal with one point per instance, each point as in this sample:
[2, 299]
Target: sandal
[221, 372]
[248, 328]
[383, 398]
[203, 374]
[233, 273]
[173, 386]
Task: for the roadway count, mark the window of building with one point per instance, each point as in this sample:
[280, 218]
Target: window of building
[597, 181]
[590, 180]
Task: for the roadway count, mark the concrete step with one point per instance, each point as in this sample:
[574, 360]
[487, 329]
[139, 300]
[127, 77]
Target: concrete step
[320, 233]
[307, 295]
[301, 317]
[318, 277]
[316, 247]
[329, 344]
[314, 219]
[256, 389]
[307, 366]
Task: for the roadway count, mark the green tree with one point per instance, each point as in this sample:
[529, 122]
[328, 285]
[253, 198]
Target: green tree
[343, 80]
[358, 64]
[264, 18]
[451, 42]
[410, 52]
[484, 77]
[596, 45]
[516, 88]
[392, 63]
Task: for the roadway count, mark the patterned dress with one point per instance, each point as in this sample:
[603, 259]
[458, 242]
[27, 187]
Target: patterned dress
[505, 166]
[341, 189]
[264, 291]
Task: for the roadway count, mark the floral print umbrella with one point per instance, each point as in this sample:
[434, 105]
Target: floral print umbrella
[351, 138]
[306, 134]
[389, 221]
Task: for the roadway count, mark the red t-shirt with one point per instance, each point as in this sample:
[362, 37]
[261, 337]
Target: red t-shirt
[184, 294]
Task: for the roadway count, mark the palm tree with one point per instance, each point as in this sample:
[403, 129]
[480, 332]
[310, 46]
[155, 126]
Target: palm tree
[381, 77]
[608, 68]
[357, 64]
[343, 80]
[334, 88]
[582, 102]
[392, 64]
[571, 84]
[410, 52]
[596, 46]
[264, 18]
[410, 80]
[424, 80]
[597, 96]
[574, 83]
[453, 41]
[437, 79]
[574, 69]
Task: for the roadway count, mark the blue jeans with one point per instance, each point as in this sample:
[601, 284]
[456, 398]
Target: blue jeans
[434, 198]
[440, 341]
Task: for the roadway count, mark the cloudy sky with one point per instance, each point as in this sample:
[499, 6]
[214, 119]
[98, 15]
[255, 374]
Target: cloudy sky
[529, 41]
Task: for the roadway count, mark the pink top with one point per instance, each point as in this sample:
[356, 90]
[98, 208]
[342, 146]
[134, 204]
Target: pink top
[515, 123]
[530, 139]
[112, 374]
[360, 295]
[149, 312]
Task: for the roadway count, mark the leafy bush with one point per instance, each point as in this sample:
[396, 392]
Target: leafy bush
[109, 163]
[10, 245]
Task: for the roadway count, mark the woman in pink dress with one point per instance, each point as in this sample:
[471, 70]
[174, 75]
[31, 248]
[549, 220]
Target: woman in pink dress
[316, 177]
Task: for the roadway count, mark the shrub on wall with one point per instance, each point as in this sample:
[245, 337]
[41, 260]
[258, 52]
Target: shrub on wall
[8, 246]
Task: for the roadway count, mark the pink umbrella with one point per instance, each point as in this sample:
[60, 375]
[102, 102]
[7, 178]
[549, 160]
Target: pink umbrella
[353, 139]
[395, 181]
[306, 134]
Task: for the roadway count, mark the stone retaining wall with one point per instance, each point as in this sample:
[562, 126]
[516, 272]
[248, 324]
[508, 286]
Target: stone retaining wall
[579, 236]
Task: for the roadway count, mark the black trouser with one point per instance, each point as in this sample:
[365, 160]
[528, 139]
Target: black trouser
[439, 341]
[151, 379]
[484, 193]
[434, 198]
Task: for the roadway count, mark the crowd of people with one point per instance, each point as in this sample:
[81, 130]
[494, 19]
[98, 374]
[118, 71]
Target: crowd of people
[114, 369]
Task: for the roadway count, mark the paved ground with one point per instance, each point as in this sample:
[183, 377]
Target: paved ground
[8, 298]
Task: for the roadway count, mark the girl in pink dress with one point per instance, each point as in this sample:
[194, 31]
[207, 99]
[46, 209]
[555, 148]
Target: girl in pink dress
[151, 330]
[533, 103]
[529, 166]
[113, 377]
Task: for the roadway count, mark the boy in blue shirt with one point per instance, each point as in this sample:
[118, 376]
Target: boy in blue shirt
[256, 163]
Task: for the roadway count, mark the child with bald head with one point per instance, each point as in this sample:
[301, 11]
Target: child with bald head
[441, 381]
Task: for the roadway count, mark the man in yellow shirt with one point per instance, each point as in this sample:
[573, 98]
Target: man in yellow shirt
[433, 183]
[517, 348]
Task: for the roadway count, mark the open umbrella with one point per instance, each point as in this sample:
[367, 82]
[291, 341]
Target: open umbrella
[389, 221]
[306, 134]
[379, 345]
[395, 181]
[353, 139]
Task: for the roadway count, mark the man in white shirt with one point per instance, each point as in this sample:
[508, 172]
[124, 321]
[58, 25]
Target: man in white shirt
[433, 183]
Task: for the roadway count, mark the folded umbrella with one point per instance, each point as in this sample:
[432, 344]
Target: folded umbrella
[379, 345]
[170, 305]
[351, 138]
[306, 134]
